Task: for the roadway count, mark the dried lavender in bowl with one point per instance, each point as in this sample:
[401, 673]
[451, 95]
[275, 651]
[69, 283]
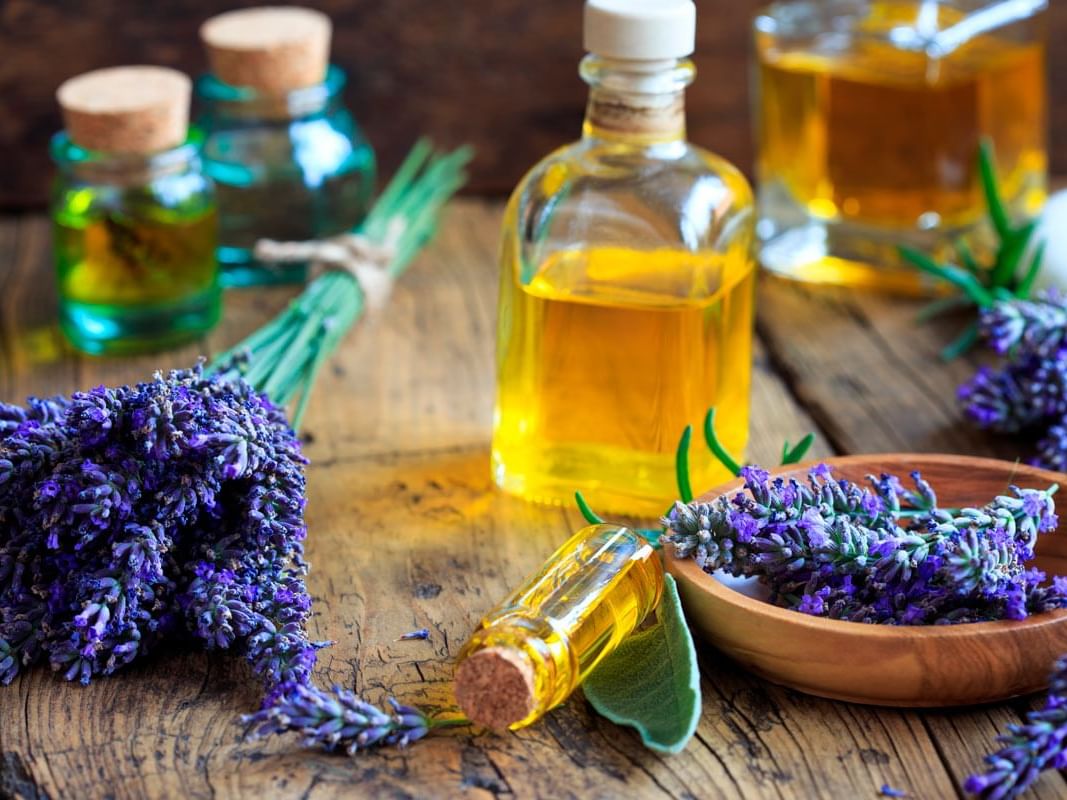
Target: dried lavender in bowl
[879, 554]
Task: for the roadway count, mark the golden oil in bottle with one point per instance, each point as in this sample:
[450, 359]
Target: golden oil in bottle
[598, 378]
[531, 652]
[626, 292]
[869, 118]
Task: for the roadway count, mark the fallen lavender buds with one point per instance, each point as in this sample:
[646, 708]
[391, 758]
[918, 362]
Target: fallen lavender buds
[1028, 392]
[337, 719]
[167, 511]
[835, 549]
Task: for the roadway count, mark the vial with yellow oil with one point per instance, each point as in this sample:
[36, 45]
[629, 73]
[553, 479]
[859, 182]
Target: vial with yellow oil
[626, 293]
[534, 649]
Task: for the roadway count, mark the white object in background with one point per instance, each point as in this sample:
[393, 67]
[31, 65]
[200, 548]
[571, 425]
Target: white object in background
[1053, 231]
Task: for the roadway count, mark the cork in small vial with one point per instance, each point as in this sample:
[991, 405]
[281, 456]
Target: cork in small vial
[128, 110]
[273, 49]
[495, 687]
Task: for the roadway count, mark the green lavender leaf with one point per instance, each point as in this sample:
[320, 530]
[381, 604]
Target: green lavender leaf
[590, 516]
[681, 465]
[795, 455]
[954, 275]
[1027, 283]
[717, 448]
[962, 344]
[1011, 251]
[987, 169]
[652, 682]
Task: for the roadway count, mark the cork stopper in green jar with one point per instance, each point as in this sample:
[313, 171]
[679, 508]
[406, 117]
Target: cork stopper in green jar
[126, 110]
[273, 49]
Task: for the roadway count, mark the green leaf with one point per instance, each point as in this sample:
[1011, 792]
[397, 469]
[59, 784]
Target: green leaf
[947, 272]
[987, 168]
[716, 447]
[797, 453]
[590, 516]
[651, 682]
[1027, 283]
[1011, 251]
[961, 345]
[681, 465]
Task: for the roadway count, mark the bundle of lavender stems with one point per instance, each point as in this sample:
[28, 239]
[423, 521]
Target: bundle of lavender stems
[172, 512]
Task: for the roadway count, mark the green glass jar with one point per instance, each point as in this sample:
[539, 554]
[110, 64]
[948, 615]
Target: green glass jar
[134, 240]
[289, 166]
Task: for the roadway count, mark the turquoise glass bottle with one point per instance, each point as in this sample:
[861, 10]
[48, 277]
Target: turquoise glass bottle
[287, 157]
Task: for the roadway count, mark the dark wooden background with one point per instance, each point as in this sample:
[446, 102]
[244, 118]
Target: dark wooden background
[499, 74]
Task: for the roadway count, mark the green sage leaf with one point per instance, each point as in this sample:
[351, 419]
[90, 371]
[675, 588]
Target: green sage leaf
[651, 682]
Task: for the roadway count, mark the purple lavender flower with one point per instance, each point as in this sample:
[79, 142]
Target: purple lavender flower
[1039, 744]
[832, 548]
[174, 506]
[337, 719]
[1028, 391]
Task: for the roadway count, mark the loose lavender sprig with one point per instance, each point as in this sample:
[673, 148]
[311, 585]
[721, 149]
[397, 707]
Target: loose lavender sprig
[338, 719]
[1039, 744]
[832, 548]
[1027, 392]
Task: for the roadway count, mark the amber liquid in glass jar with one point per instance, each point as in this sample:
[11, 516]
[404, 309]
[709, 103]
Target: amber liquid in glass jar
[868, 135]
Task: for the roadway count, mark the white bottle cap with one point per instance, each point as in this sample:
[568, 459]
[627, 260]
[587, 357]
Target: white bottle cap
[640, 30]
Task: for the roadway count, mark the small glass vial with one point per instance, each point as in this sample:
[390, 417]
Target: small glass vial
[869, 116]
[626, 292]
[134, 222]
[288, 159]
[534, 649]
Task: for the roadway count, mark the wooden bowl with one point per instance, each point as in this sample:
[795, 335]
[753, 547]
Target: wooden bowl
[918, 666]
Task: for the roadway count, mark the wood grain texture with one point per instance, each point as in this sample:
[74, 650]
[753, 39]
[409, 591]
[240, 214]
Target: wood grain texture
[407, 532]
[501, 76]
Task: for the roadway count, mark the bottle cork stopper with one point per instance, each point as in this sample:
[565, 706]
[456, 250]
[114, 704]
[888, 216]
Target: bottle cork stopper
[273, 49]
[495, 687]
[126, 109]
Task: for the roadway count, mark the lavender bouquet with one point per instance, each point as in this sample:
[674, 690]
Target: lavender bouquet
[173, 510]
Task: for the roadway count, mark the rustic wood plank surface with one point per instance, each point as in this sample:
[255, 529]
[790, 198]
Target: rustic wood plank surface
[407, 532]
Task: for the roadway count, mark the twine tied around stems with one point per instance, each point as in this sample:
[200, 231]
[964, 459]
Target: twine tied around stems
[366, 261]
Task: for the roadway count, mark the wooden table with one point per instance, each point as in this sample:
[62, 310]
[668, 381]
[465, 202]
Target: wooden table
[407, 532]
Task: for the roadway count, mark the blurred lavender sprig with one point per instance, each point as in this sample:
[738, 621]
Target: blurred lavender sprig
[1039, 744]
[833, 548]
[1027, 392]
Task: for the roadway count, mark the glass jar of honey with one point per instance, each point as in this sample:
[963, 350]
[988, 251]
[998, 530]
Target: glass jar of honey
[869, 117]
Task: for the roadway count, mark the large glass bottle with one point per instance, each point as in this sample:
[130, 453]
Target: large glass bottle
[626, 294]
